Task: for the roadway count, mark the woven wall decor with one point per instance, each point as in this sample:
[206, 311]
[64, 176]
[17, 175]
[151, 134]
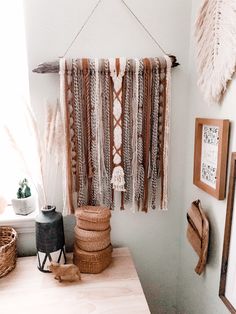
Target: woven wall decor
[116, 118]
[215, 33]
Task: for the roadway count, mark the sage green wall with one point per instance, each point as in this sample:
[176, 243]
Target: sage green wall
[199, 294]
[153, 238]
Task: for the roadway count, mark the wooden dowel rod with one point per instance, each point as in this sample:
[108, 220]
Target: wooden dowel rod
[53, 67]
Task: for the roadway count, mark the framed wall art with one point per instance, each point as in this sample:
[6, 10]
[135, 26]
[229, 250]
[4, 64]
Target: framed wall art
[210, 155]
[227, 290]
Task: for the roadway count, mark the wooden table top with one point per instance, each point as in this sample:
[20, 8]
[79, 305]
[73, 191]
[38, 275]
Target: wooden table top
[116, 290]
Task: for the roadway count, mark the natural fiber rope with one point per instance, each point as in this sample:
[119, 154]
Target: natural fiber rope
[143, 26]
[90, 16]
[154, 137]
[86, 74]
[140, 175]
[127, 131]
[82, 27]
[76, 129]
[146, 127]
[107, 199]
[81, 145]
[93, 123]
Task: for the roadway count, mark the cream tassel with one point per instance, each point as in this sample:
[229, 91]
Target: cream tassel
[117, 179]
[164, 205]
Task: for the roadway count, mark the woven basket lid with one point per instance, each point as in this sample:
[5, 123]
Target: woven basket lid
[93, 213]
[86, 235]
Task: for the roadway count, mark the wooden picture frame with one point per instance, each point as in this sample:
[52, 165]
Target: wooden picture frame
[210, 155]
[227, 291]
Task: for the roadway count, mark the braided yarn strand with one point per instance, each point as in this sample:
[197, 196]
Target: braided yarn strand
[139, 193]
[107, 194]
[93, 122]
[154, 136]
[78, 135]
[127, 131]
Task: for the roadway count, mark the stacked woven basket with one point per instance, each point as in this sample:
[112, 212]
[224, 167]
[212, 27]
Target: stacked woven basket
[7, 250]
[92, 247]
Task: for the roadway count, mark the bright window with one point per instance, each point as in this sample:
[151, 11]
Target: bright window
[18, 148]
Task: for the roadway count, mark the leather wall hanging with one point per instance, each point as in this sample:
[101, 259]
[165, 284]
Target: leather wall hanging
[198, 234]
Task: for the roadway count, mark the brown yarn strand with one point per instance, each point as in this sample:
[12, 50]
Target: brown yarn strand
[85, 64]
[155, 149]
[68, 141]
[75, 101]
[147, 126]
[122, 201]
[111, 136]
[93, 124]
[163, 92]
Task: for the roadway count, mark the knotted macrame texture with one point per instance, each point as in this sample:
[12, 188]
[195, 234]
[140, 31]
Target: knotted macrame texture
[116, 130]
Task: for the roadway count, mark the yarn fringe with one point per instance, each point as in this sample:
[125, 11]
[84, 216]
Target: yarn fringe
[115, 134]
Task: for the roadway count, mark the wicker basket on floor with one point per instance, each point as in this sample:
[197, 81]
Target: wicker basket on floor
[92, 241]
[93, 217]
[92, 262]
[7, 250]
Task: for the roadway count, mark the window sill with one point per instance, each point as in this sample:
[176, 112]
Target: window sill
[22, 224]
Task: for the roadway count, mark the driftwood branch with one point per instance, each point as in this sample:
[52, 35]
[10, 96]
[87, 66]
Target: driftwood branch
[53, 67]
[47, 67]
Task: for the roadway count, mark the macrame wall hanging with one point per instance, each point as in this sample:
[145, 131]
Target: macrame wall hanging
[116, 128]
[116, 117]
[215, 33]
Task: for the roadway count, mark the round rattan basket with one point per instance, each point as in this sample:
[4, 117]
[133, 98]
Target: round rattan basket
[92, 262]
[93, 217]
[92, 240]
[7, 250]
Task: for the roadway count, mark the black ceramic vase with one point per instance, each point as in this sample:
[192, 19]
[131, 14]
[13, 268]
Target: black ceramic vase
[50, 240]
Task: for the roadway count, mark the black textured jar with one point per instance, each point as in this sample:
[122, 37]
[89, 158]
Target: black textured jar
[50, 240]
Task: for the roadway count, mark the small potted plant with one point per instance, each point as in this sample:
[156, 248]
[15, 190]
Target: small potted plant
[24, 204]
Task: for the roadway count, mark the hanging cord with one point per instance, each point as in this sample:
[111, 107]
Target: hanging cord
[82, 27]
[144, 27]
[173, 58]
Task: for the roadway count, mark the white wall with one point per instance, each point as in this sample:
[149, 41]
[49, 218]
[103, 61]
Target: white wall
[200, 294]
[153, 238]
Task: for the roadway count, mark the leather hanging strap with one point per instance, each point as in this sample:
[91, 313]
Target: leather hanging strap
[147, 127]
[68, 99]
